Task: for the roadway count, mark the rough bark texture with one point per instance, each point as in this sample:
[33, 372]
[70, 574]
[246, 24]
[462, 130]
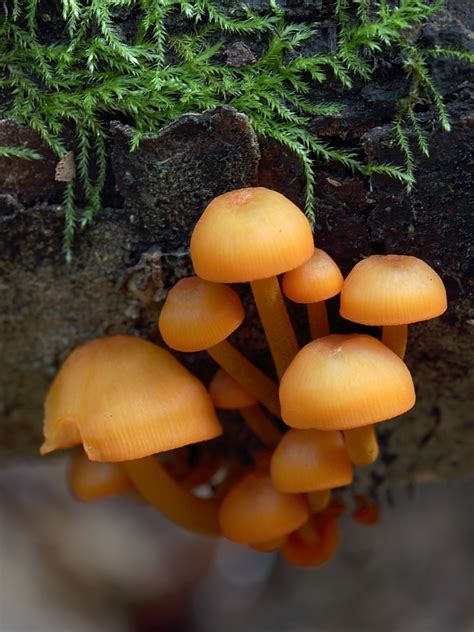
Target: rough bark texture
[134, 251]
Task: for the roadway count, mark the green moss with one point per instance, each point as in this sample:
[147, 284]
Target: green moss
[91, 69]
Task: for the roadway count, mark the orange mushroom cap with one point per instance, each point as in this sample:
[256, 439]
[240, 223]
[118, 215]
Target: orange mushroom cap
[227, 393]
[345, 381]
[198, 314]
[300, 553]
[250, 234]
[392, 290]
[316, 280]
[90, 480]
[125, 398]
[254, 511]
[309, 461]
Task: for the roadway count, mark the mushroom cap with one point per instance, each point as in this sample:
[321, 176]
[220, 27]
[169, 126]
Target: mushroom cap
[250, 234]
[198, 314]
[392, 290]
[90, 480]
[345, 381]
[310, 461]
[125, 398]
[299, 553]
[316, 280]
[254, 511]
[227, 393]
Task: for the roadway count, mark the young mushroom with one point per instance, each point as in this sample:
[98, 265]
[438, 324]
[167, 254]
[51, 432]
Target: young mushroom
[199, 315]
[310, 461]
[228, 394]
[91, 480]
[314, 545]
[254, 512]
[313, 283]
[253, 235]
[393, 291]
[345, 382]
[125, 399]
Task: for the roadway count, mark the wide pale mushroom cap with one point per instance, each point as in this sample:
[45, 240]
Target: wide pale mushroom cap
[125, 398]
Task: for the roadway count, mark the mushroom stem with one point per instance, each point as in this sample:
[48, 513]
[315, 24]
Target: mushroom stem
[153, 482]
[395, 338]
[260, 425]
[318, 501]
[308, 534]
[246, 374]
[318, 319]
[276, 322]
[362, 445]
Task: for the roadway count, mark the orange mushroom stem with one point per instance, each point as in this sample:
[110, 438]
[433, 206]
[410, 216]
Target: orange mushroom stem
[157, 487]
[362, 445]
[319, 501]
[228, 394]
[275, 322]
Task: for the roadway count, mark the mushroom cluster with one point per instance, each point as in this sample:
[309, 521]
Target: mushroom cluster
[124, 400]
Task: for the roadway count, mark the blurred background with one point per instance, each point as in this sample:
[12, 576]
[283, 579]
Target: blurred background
[118, 566]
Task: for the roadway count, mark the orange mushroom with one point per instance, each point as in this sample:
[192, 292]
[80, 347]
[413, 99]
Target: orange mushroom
[91, 480]
[126, 399]
[366, 512]
[254, 512]
[393, 291]
[252, 235]
[228, 394]
[199, 315]
[344, 382]
[314, 545]
[310, 461]
[313, 283]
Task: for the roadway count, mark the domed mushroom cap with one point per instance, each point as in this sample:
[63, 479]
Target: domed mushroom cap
[250, 234]
[392, 290]
[227, 393]
[254, 511]
[125, 398]
[309, 461]
[198, 314]
[316, 280]
[345, 381]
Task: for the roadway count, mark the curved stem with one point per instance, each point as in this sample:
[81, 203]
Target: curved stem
[318, 501]
[260, 425]
[276, 322]
[318, 319]
[156, 486]
[395, 338]
[362, 445]
[246, 374]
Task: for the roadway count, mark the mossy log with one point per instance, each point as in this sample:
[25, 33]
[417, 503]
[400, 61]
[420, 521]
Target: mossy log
[137, 247]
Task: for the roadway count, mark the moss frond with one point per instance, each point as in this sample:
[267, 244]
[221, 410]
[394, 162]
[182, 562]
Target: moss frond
[96, 69]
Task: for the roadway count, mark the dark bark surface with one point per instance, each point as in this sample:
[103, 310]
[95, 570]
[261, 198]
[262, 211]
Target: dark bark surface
[135, 249]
